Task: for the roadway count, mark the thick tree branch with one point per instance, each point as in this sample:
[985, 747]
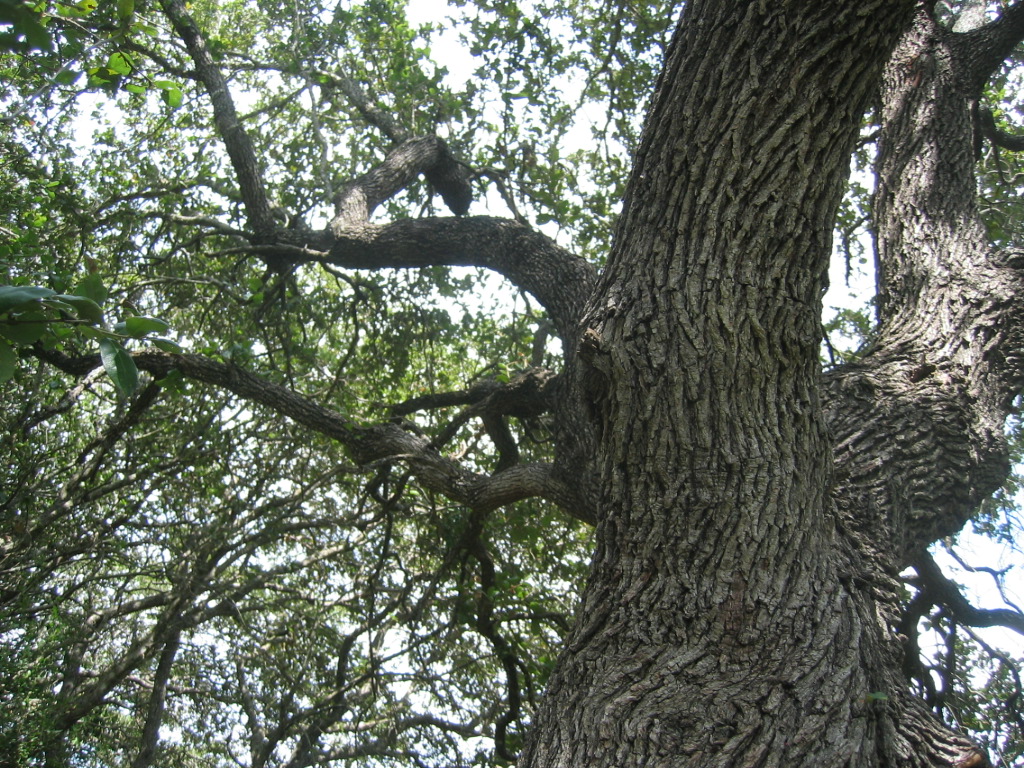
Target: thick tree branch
[983, 50]
[428, 155]
[1002, 139]
[229, 126]
[157, 701]
[918, 420]
[942, 591]
[366, 444]
[558, 279]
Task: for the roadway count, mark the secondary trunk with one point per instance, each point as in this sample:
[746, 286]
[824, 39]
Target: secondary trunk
[729, 618]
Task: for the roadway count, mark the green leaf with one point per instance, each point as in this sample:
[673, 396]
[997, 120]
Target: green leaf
[173, 98]
[120, 63]
[140, 326]
[84, 307]
[67, 77]
[27, 23]
[125, 11]
[170, 93]
[26, 328]
[8, 361]
[54, 302]
[119, 367]
[95, 332]
[20, 296]
[91, 287]
[166, 345]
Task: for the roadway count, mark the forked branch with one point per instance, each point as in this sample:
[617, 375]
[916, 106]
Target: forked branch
[366, 444]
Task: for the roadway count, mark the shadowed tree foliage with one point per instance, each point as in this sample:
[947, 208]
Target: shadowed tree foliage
[362, 412]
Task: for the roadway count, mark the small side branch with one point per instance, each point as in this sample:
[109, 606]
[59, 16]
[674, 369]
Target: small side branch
[1002, 139]
[940, 590]
[488, 626]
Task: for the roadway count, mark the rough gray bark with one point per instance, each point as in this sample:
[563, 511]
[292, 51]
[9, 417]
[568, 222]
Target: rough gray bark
[918, 422]
[729, 618]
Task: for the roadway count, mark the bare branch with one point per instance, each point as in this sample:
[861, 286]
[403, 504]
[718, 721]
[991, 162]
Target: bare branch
[428, 155]
[1002, 139]
[361, 101]
[157, 700]
[526, 394]
[997, 576]
[366, 444]
[236, 139]
[941, 590]
[983, 50]
[560, 280]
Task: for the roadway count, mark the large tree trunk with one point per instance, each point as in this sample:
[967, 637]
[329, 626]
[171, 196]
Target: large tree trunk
[737, 612]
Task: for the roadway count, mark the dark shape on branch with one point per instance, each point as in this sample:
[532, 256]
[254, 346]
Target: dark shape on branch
[451, 180]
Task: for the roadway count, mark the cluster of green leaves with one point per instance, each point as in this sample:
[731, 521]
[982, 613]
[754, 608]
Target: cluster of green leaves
[1001, 172]
[160, 515]
[557, 104]
[87, 40]
[32, 314]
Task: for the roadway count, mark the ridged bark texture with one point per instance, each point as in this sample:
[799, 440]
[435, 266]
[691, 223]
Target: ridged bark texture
[729, 620]
[918, 422]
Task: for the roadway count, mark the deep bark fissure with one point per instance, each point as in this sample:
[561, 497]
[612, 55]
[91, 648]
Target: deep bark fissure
[721, 624]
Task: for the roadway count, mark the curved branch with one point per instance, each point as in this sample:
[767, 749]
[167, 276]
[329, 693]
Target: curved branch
[941, 590]
[1002, 139]
[560, 280]
[366, 444]
[983, 50]
[428, 155]
[917, 422]
[508, 450]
